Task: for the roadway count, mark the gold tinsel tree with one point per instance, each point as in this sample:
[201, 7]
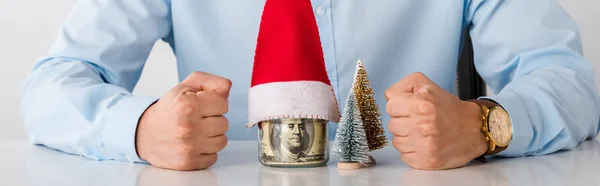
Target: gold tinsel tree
[369, 110]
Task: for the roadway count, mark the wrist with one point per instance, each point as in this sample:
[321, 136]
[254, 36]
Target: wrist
[145, 118]
[120, 126]
[475, 123]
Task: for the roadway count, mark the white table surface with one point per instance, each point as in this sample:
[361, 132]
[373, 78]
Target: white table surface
[26, 164]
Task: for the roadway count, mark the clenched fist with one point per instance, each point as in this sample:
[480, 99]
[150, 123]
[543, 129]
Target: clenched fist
[185, 129]
[432, 128]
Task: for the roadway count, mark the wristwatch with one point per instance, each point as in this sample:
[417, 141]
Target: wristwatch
[496, 126]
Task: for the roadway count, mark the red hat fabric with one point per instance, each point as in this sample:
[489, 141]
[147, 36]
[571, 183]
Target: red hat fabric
[289, 79]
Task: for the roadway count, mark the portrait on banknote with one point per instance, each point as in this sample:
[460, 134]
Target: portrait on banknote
[293, 141]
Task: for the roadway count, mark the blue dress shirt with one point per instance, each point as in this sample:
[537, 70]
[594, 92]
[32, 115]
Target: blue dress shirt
[78, 98]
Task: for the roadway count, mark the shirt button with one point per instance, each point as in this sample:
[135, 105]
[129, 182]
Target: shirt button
[320, 10]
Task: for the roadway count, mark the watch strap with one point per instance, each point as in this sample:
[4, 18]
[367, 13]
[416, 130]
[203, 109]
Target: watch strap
[486, 102]
[496, 150]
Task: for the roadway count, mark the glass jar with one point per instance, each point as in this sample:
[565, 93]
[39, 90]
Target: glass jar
[293, 142]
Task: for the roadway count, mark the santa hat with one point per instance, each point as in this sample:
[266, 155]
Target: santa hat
[289, 79]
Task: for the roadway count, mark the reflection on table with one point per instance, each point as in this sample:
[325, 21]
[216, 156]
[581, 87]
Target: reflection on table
[25, 164]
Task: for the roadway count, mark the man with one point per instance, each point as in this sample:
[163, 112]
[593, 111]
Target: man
[78, 98]
[290, 137]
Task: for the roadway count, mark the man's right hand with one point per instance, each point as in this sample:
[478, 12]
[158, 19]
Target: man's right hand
[186, 128]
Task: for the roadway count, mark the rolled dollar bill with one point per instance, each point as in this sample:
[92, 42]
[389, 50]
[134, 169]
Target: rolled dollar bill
[293, 142]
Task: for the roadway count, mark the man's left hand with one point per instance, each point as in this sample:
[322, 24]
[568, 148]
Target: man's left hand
[432, 128]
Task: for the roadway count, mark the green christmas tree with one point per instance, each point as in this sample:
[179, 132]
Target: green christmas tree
[350, 143]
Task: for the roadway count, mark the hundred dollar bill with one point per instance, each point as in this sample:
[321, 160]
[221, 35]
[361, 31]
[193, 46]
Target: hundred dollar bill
[293, 142]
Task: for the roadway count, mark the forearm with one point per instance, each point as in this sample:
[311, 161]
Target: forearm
[66, 105]
[552, 108]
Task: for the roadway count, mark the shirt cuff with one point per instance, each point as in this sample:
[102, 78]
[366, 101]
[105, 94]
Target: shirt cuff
[521, 125]
[120, 125]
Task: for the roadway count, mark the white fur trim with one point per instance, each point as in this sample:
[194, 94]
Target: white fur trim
[296, 99]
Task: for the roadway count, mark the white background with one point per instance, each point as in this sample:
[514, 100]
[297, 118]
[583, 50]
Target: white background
[28, 28]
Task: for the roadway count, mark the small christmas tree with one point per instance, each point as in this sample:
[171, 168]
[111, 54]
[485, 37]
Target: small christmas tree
[350, 143]
[369, 110]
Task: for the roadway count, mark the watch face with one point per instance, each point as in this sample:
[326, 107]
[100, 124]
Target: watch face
[500, 126]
